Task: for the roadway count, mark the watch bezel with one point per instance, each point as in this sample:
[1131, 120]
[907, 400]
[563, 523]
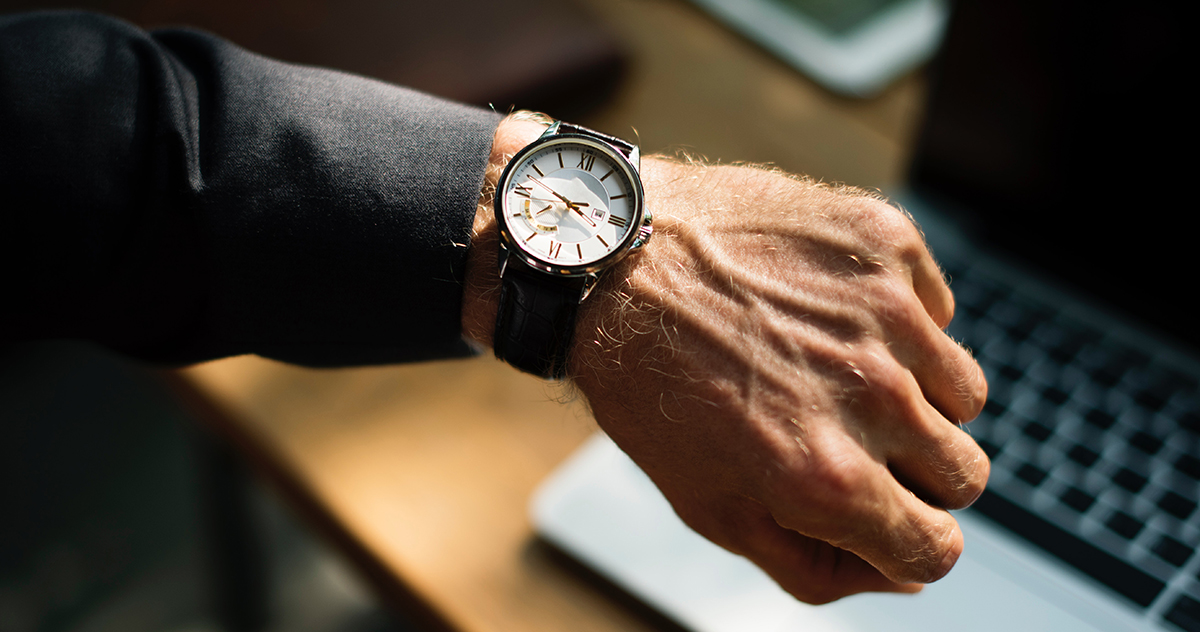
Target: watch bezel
[514, 248]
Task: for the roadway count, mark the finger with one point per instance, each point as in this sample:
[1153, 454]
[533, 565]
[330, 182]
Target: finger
[947, 374]
[810, 570]
[855, 503]
[814, 571]
[934, 458]
[930, 286]
[898, 424]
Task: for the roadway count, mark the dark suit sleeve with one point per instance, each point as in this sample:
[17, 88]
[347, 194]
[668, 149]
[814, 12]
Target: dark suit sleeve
[177, 198]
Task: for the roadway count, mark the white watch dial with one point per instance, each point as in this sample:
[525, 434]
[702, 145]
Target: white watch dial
[569, 202]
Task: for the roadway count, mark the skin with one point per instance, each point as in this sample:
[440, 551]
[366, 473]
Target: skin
[774, 359]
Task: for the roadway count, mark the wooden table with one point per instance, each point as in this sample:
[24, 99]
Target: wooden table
[421, 474]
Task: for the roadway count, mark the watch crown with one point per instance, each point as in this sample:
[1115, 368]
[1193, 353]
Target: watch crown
[644, 232]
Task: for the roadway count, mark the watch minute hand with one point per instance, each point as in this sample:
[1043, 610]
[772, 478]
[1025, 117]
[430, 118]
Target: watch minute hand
[585, 217]
[556, 194]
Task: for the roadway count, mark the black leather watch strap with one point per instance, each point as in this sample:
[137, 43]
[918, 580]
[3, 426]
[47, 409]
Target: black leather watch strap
[624, 147]
[536, 321]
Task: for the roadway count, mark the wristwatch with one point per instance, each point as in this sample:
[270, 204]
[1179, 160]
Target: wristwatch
[568, 206]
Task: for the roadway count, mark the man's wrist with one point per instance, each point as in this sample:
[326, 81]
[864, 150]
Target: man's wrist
[481, 292]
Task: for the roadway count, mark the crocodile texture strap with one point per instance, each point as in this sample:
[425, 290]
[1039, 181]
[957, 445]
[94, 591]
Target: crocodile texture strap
[536, 321]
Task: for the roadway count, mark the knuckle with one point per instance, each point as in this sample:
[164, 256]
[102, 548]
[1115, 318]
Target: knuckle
[961, 476]
[968, 484]
[971, 387]
[978, 389]
[830, 483]
[825, 475]
[896, 304]
[837, 478]
[875, 380]
[975, 477]
[925, 551]
[950, 308]
[888, 224]
[935, 560]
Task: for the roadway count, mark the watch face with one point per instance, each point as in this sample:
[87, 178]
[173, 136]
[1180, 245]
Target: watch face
[570, 204]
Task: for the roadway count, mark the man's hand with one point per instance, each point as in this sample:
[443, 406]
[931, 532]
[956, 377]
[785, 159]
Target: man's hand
[774, 360]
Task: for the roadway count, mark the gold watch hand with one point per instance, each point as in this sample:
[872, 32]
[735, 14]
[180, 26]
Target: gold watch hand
[585, 217]
[556, 194]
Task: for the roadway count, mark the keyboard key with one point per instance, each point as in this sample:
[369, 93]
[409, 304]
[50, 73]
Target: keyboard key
[1130, 480]
[1100, 419]
[1083, 455]
[1011, 373]
[1172, 551]
[975, 294]
[1177, 505]
[1064, 339]
[1078, 499]
[1189, 419]
[1145, 442]
[1124, 578]
[1124, 525]
[1055, 396]
[1159, 385]
[1185, 613]
[1037, 431]
[1108, 362]
[1019, 317]
[1108, 375]
[1031, 474]
[1000, 393]
[1189, 465]
[1152, 399]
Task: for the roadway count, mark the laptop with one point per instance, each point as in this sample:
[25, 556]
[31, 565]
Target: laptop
[1048, 185]
[852, 47]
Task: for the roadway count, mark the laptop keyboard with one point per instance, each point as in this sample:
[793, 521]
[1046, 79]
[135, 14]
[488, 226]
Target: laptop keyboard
[1095, 445]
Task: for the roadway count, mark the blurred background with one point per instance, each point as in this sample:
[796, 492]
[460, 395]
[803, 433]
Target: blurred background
[218, 499]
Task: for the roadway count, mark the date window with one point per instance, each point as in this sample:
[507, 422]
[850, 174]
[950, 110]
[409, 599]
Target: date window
[597, 213]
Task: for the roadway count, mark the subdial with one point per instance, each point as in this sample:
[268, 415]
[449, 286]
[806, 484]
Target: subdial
[542, 215]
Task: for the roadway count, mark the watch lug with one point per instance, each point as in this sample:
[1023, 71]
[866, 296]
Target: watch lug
[502, 259]
[552, 130]
[589, 282]
[635, 158]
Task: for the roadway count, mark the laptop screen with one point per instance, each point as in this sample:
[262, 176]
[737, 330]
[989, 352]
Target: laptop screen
[1057, 131]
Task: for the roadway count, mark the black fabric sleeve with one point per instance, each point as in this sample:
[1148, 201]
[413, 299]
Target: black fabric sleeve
[176, 198]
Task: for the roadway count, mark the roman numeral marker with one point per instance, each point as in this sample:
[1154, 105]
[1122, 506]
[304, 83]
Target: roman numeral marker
[618, 221]
[586, 162]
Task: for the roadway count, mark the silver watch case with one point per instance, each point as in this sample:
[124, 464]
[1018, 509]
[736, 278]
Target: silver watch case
[633, 240]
